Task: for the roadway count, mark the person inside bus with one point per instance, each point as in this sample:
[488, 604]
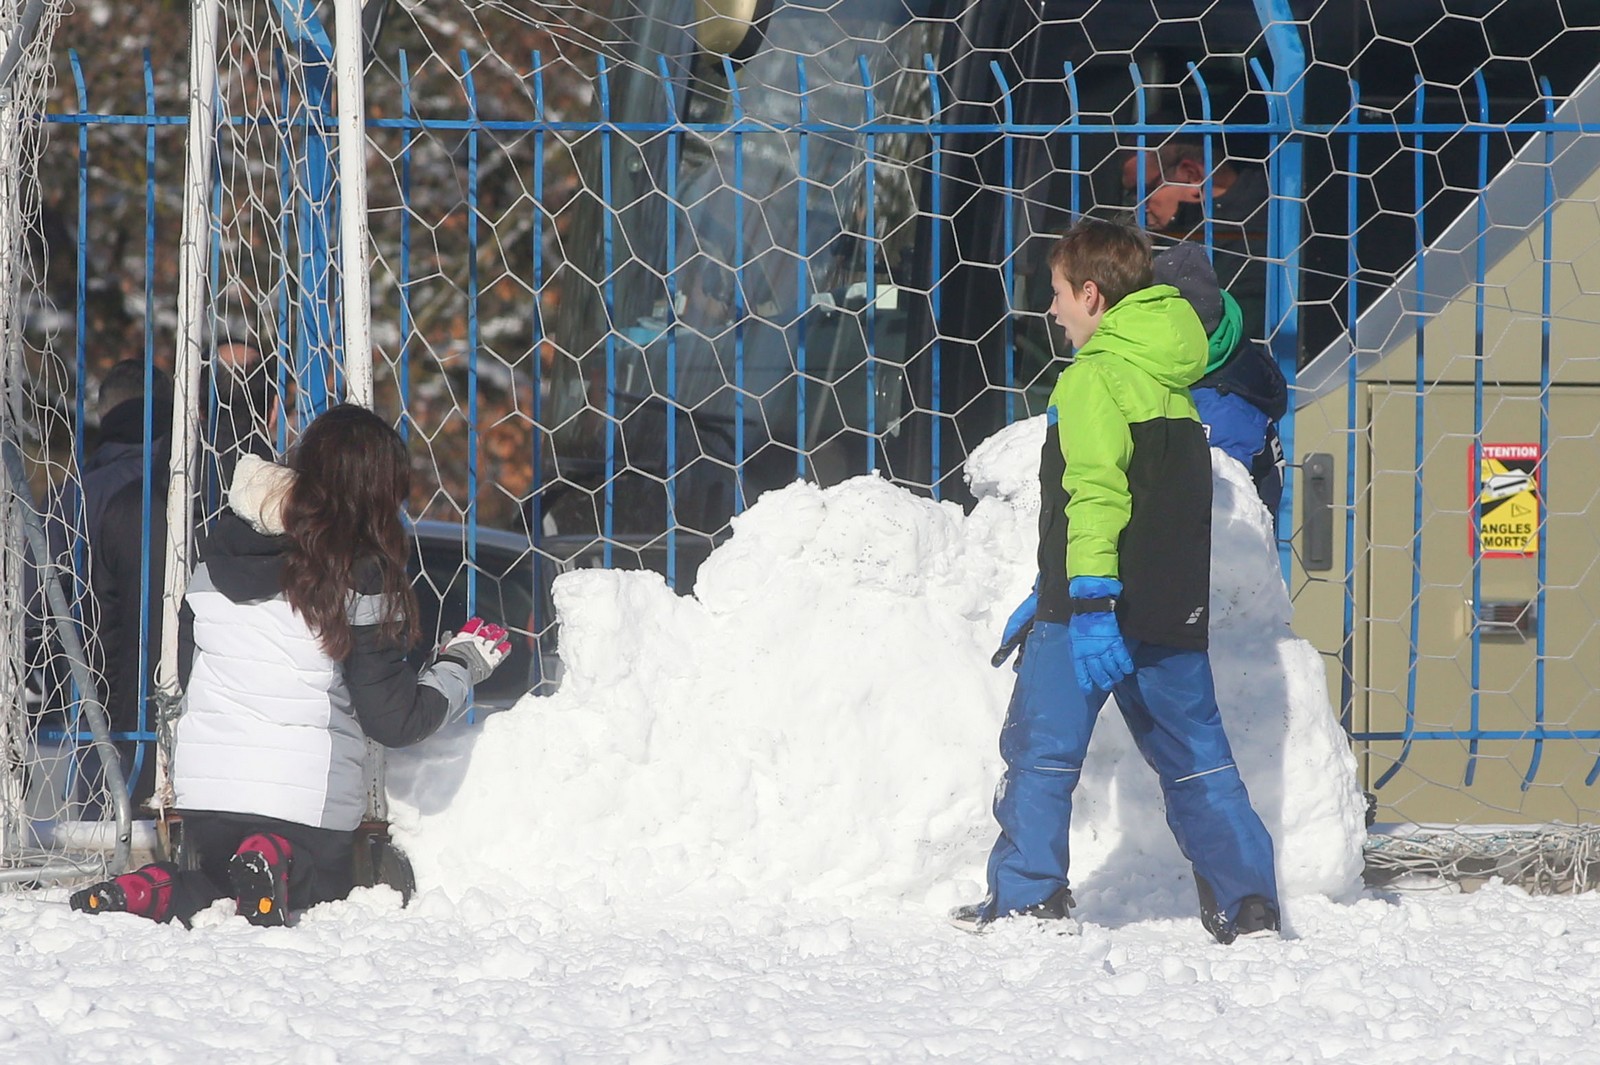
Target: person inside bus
[248, 404]
[1175, 190]
[1243, 393]
[116, 458]
[248, 410]
[295, 629]
[1120, 602]
[80, 512]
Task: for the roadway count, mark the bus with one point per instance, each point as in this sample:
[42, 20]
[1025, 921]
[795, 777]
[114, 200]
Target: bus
[817, 246]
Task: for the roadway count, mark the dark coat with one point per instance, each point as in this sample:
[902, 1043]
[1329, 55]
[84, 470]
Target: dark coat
[1240, 403]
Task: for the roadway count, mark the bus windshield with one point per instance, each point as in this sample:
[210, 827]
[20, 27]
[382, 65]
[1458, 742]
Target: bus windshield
[737, 264]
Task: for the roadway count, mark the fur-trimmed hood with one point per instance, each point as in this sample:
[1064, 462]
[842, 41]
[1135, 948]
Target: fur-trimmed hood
[258, 493]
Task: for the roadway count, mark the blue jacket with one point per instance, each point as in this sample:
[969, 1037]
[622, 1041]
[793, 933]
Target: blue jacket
[1240, 403]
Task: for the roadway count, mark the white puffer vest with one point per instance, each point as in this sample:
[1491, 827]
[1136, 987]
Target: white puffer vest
[266, 727]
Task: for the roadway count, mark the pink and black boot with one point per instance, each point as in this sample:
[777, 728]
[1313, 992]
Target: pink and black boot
[259, 873]
[146, 891]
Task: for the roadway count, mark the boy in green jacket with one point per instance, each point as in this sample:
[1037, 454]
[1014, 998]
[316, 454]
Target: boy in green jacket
[1120, 606]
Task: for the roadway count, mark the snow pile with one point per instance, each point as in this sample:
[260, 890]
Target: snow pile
[819, 721]
[1272, 689]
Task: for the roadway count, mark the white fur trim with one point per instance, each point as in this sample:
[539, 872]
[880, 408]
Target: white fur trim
[258, 491]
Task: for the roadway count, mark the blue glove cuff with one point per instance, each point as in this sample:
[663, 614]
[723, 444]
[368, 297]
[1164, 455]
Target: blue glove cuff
[1094, 587]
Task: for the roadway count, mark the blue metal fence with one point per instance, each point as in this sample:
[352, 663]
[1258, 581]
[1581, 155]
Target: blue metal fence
[1424, 305]
[308, 317]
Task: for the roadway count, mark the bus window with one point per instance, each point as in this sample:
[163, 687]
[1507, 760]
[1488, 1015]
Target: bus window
[755, 316]
[764, 289]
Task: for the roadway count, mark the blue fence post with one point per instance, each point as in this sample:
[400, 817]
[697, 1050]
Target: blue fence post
[1420, 382]
[740, 304]
[1419, 426]
[403, 370]
[935, 278]
[1208, 190]
[869, 251]
[538, 621]
[1480, 270]
[1352, 381]
[286, 348]
[316, 340]
[802, 266]
[149, 243]
[674, 149]
[1141, 145]
[609, 291]
[81, 288]
[1008, 269]
[1546, 255]
[1075, 139]
[469, 87]
[536, 400]
[1287, 176]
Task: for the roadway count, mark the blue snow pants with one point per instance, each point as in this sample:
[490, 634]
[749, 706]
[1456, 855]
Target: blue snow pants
[1171, 710]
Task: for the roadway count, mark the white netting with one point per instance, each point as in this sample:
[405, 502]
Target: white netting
[53, 779]
[1544, 859]
[608, 310]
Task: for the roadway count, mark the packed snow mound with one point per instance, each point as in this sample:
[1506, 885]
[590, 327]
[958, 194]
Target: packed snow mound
[819, 720]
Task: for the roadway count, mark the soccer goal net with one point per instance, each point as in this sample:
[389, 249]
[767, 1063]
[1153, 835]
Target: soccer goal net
[616, 268]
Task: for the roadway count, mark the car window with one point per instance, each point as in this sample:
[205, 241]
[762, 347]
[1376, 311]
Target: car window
[504, 594]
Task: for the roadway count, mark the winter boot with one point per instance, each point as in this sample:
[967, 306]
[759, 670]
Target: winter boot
[1055, 912]
[1256, 915]
[969, 918]
[146, 892]
[1257, 918]
[259, 872]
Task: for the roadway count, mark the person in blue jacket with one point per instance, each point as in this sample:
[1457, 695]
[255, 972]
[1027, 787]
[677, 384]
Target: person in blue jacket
[1242, 394]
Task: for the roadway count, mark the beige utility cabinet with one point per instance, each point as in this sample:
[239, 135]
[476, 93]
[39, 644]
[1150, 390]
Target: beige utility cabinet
[1431, 786]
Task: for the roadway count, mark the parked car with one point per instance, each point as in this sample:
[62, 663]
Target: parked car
[513, 588]
[502, 573]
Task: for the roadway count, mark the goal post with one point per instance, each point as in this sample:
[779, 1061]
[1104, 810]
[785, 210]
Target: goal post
[194, 255]
[354, 246]
[326, 360]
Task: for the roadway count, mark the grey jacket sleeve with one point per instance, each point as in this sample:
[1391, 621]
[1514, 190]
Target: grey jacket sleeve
[395, 704]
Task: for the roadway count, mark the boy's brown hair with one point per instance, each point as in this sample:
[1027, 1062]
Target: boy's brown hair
[1115, 257]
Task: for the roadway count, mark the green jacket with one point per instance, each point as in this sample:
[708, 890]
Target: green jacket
[1126, 472]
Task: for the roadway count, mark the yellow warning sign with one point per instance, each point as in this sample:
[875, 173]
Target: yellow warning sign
[1504, 480]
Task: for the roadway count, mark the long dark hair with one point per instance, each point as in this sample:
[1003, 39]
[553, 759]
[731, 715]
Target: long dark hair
[351, 477]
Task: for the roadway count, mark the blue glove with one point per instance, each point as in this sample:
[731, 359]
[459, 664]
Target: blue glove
[1017, 627]
[1099, 657]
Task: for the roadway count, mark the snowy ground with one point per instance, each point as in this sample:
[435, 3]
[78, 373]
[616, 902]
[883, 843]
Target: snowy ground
[1494, 977]
[733, 833]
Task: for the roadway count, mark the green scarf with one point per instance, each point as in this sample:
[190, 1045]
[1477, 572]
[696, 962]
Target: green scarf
[1225, 338]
